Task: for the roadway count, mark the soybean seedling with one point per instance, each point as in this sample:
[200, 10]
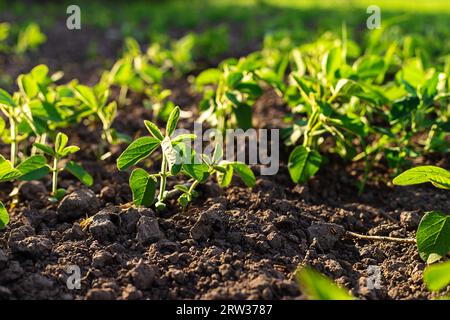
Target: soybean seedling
[95, 101]
[177, 158]
[433, 234]
[59, 152]
[228, 103]
[143, 185]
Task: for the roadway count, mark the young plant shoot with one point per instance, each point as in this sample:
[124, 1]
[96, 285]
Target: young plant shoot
[433, 234]
[58, 153]
[177, 158]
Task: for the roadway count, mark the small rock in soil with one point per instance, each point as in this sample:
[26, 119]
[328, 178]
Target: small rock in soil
[102, 228]
[326, 234]
[77, 204]
[5, 293]
[208, 222]
[108, 193]
[101, 258]
[410, 219]
[148, 230]
[142, 275]
[34, 246]
[13, 272]
[100, 294]
[30, 190]
[130, 217]
[3, 259]
[74, 233]
[167, 246]
[131, 293]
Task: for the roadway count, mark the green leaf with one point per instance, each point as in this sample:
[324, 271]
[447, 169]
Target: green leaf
[7, 172]
[196, 169]
[6, 99]
[234, 78]
[437, 176]
[433, 235]
[136, 151]
[169, 153]
[60, 193]
[44, 148]
[33, 168]
[143, 187]
[243, 113]
[69, 150]
[39, 73]
[173, 121]
[224, 178]
[369, 66]
[245, 173]
[183, 137]
[318, 287]
[208, 76]
[437, 276]
[60, 142]
[303, 164]
[154, 130]
[403, 108]
[79, 172]
[86, 95]
[250, 88]
[4, 217]
[28, 86]
[331, 62]
[184, 199]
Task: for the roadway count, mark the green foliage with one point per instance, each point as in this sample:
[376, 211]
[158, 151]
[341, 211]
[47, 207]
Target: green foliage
[433, 236]
[439, 177]
[4, 217]
[437, 276]
[95, 101]
[303, 164]
[229, 93]
[318, 287]
[58, 153]
[177, 159]
[30, 38]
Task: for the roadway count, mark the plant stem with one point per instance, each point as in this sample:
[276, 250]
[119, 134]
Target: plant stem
[162, 186]
[430, 137]
[123, 95]
[13, 141]
[55, 176]
[380, 238]
[193, 186]
[172, 194]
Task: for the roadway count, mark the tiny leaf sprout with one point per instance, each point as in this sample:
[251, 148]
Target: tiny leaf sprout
[59, 152]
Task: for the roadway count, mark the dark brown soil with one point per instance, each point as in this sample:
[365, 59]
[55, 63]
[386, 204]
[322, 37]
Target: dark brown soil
[235, 243]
